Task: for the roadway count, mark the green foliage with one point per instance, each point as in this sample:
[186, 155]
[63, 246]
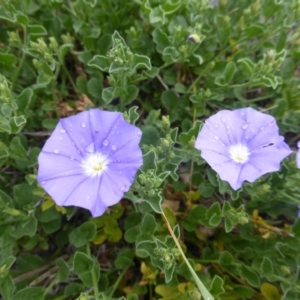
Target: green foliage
[167, 66]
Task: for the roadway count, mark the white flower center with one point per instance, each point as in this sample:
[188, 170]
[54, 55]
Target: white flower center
[94, 164]
[239, 153]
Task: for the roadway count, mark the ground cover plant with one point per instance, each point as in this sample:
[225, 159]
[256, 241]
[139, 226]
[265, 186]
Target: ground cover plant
[148, 149]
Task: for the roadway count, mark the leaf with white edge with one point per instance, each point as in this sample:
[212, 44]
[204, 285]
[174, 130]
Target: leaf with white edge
[100, 62]
[25, 228]
[248, 65]
[186, 137]
[216, 287]
[249, 275]
[171, 54]
[145, 248]
[151, 73]
[266, 266]
[92, 3]
[132, 115]
[169, 7]
[229, 71]
[149, 161]
[161, 39]
[18, 121]
[157, 16]
[110, 93]
[83, 265]
[226, 258]
[148, 224]
[155, 202]
[117, 36]
[132, 92]
[169, 273]
[36, 30]
[141, 61]
[214, 215]
[4, 125]
[24, 100]
[8, 14]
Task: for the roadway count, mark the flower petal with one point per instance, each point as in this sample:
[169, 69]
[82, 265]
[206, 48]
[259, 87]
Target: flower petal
[298, 156]
[253, 135]
[90, 160]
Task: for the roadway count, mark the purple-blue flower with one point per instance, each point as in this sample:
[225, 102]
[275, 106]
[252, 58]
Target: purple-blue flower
[298, 155]
[240, 145]
[90, 160]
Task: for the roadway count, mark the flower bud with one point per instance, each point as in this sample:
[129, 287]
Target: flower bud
[166, 122]
[194, 38]
[53, 44]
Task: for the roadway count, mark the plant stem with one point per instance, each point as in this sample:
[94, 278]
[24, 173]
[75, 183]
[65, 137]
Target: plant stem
[117, 282]
[95, 283]
[202, 289]
[17, 73]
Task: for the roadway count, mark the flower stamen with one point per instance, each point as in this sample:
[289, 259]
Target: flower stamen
[94, 164]
[239, 153]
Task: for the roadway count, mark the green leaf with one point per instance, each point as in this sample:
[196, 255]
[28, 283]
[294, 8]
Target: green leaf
[169, 99]
[186, 137]
[100, 62]
[132, 92]
[248, 66]
[63, 271]
[83, 266]
[124, 259]
[83, 234]
[149, 161]
[24, 99]
[214, 215]
[140, 61]
[110, 93]
[92, 3]
[216, 287]
[36, 30]
[254, 30]
[226, 258]
[169, 7]
[145, 248]
[17, 149]
[161, 40]
[23, 195]
[95, 88]
[73, 289]
[7, 287]
[25, 228]
[267, 266]
[3, 150]
[36, 293]
[49, 123]
[155, 202]
[4, 125]
[9, 15]
[132, 115]
[148, 224]
[157, 16]
[7, 59]
[151, 73]
[249, 275]
[229, 71]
